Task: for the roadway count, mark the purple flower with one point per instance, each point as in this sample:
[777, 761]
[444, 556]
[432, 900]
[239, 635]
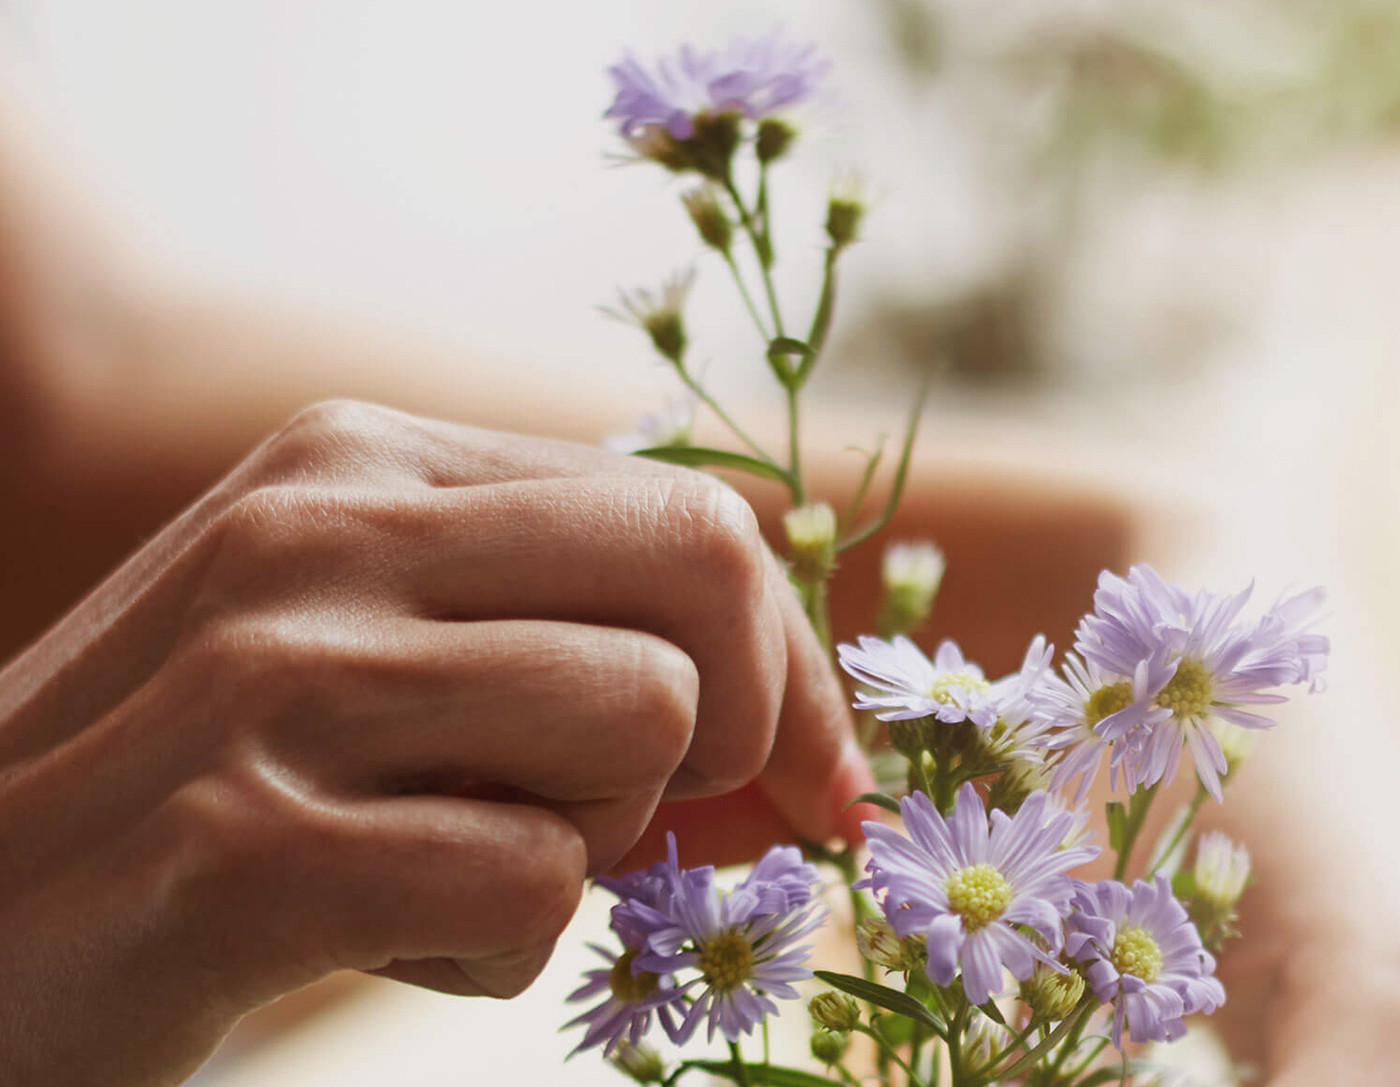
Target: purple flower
[1144, 957]
[1093, 712]
[970, 886]
[904, 684]
[1202, 663]
[632, 997]
[756, 77]
[741, 943]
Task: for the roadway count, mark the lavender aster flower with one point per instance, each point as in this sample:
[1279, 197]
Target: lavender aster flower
[670, 426]
[1144, 956]
[972, 888]
[631, 998]
[741, 943]
[1093, 712]
[757, 78]
[906, 685]
[1218, 665]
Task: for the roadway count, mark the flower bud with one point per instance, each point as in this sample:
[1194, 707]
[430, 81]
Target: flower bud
[774, 139]
[910, 574]
[659, 315]
[828, 1046]
[709, 218]
[835, 1011]
[811, 533]
[1221, 873]
[640, 1062]
[712, 144]
[844, 210]
[1050, 994]
[876, 941]
[1235, 744]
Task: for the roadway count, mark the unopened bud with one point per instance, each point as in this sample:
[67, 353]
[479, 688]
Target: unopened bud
[835, 1011]
[712, 144]
[640, 1062]
[709, 218]
[1235, 742]
[774, 138]
[877, 941]
[844, 210]
[811, 533]
[828, 1046]
[910, 574]
[1050, 994]
[1222, 871]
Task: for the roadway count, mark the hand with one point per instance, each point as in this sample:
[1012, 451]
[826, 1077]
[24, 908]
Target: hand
[381, 700]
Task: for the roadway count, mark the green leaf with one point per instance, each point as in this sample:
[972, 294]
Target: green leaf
[1184, 884]
[883, 996]
[695, 456]
[895, 1029]
[880, 800]
[1117, 817]
[1115, 1073]
[761, 1075]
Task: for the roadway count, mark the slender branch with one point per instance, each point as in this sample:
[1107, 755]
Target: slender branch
[794, 448]
[710, 402]
[1132, 827]
[762, 250]
[741, 1071]
[1071, 1022]
[748, 298]
[863, 488]
[1159, 859]
[886, 1047]
[821, 322]
[900, 472]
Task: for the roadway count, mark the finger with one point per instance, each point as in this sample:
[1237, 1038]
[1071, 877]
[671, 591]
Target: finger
[369, 886]
[678, 557]
[561, 710]
[719, 830]
[815, 767]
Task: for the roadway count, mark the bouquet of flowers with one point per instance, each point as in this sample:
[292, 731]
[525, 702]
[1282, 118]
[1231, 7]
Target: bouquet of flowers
[969, 881]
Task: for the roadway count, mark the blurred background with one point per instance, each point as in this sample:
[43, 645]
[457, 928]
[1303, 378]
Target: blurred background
[1153, 244]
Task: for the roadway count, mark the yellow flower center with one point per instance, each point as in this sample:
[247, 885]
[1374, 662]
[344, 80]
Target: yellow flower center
[977, 894]
[1136, 952]
[1107, 700]
[726, 961]
[628, 987]
[1188, 694]
[944, 686]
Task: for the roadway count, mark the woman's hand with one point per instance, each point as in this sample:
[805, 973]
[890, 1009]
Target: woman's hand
[381, 700]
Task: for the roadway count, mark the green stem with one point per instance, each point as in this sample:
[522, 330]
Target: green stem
[794, 451]
[741, 1072]
[748, 298]
[891, 1051]
[1132, 827]
[955, 1029]
[762, 250]
[1073, 1021]
[872, 462]
[1191, 812]
[724, 417]
[821, 322]
[900, 473]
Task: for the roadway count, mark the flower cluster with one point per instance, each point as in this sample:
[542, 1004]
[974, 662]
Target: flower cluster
[1156, 665]
[692, 953]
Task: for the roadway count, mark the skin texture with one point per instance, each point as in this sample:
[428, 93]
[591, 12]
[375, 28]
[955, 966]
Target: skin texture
[381, 700]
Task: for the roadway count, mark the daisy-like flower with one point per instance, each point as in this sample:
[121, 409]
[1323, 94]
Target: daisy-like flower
[632, 997]
[1144, 956]
[670, 426]
[755, 77]
[972, 887]
[741, 943]
[1217, 665]
[903, 684]
[1092, 712]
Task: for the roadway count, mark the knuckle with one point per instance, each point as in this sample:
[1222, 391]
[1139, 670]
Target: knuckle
[322, 434]
[716, 530]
